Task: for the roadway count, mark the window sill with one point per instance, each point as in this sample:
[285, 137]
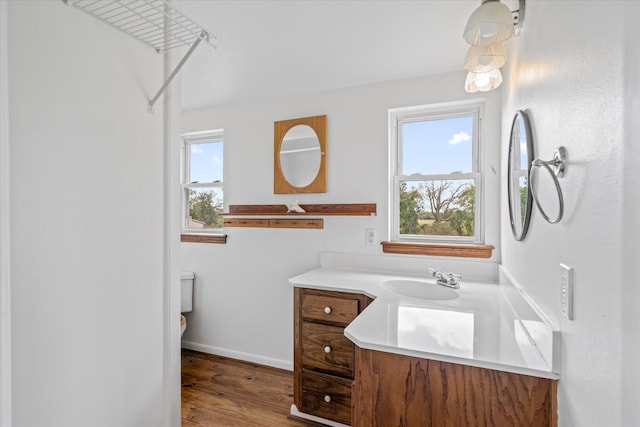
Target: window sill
[464, 251]
[204, 238]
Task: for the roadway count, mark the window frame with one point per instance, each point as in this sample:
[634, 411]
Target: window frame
[189, 139]
[399, 116]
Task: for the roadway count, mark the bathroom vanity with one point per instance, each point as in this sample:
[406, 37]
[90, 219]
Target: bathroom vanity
[323, 356]
[392, 389]
[370, 352]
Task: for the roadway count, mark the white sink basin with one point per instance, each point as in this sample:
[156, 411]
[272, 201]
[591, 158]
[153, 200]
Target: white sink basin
[418, 289]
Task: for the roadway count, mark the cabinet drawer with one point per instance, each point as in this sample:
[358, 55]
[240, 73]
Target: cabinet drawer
[326, 396]
[338, 311]
[326, 348]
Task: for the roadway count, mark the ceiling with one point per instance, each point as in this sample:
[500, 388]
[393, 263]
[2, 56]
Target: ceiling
[268, 48]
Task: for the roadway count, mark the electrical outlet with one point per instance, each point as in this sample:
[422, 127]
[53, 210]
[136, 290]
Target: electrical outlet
[566, 291]
[370, 237]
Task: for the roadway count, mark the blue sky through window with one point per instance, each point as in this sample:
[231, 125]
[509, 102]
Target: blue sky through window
[439, 146]
[206, 162]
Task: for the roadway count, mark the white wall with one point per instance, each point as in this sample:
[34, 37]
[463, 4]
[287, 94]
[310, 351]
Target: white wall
[575, 68]
[5, 289]
[243, 304]
[87, 232]
[630, 223]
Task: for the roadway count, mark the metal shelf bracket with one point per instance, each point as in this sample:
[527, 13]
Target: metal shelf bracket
[176, 70]
[155, 23]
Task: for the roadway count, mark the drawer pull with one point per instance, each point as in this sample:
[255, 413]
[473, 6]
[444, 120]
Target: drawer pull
[327, 349]
[327, 398]
[327, 310]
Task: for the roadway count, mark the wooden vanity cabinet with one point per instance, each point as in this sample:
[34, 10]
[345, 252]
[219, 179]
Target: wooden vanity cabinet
[394, 390]
[323, 357]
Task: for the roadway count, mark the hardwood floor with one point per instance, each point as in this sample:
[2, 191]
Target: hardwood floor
[218, 391]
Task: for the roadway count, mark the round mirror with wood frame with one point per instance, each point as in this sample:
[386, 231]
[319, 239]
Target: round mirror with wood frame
[299, 155]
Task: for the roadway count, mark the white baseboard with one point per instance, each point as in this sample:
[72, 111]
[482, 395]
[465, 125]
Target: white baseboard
[247, 357]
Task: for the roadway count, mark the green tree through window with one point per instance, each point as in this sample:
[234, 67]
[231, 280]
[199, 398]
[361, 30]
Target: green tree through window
[437, 208]
[410, 211]
[204, 207]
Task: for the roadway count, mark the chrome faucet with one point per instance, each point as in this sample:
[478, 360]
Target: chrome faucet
[450, 280]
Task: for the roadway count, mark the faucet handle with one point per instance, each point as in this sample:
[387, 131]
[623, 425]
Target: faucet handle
[434, 271]
[453, 279]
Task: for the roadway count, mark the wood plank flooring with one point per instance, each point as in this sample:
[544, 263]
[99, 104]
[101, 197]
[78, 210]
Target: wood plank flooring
[218, 391]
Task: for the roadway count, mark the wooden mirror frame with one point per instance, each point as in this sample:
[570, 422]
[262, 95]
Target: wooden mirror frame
[280, 183]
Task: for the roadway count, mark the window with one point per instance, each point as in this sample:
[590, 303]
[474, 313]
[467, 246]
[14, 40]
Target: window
[202, 179]
[436, 180]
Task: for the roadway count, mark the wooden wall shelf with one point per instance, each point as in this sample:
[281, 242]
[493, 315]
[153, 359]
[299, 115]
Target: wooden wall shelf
[203, 238]
[274, 223]
[345, 209]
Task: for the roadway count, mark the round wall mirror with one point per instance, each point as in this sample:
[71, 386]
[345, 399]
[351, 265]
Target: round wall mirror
[300, 155]
[519, 164]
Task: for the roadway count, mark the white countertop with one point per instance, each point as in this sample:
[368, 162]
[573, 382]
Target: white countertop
[477, 328]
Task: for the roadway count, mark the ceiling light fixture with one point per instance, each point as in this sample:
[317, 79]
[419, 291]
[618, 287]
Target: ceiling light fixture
[481, 59]
[483, 82]
[488, 27]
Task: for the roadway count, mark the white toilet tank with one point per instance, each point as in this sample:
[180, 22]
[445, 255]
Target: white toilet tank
[186, 291]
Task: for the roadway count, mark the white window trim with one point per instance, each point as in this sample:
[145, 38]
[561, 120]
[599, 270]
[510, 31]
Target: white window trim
[216, 135]
[398, 116]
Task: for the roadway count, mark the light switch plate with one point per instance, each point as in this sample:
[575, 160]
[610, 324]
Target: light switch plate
[566, 291]
[371, 236]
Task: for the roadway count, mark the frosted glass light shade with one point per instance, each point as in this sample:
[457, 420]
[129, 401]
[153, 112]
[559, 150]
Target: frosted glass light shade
[482, 59]
[483, 82]
[491, 23]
